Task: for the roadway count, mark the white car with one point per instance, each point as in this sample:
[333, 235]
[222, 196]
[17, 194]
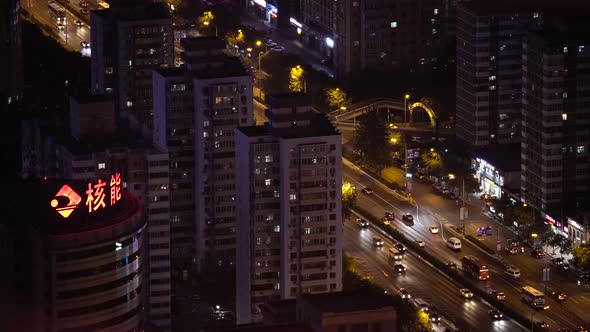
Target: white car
[434, 229]
[420, 243]
[84, 44]
[466, 293]
[362, 223]
[377, 242]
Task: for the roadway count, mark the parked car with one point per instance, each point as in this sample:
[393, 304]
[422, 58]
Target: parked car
[466, 293]
[512, 243]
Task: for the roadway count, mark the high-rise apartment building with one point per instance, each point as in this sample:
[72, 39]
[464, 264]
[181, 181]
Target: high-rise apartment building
[376, 34]
[289, 222]
[197, 108]
[10, 54]
[556, 120]
[128, 41]
[488, 74]
[96, 149]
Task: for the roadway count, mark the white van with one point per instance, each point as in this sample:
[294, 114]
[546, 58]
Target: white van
[395, 254]
[421, 304]
[454, 243]
[513, 272]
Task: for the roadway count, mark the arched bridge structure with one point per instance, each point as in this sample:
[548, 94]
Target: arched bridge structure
[360, 108]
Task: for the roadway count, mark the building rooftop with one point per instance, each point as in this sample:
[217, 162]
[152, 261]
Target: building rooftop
[203, 42]
[230, 67]
[342, 302]
[288, 100]
[503, 157]
[319, 126]
[134, 10]
[35, 203]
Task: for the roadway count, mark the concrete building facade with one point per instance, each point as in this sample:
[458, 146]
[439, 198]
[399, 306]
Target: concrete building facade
[198, 106]
[128, 41]
[289, 223]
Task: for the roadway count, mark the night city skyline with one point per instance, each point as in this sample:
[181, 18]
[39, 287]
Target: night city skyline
[295, 165]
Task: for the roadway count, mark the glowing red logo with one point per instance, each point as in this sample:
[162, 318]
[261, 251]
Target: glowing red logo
[65, 201]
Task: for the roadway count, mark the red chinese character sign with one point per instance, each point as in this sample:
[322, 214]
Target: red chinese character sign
[98, 194]
[115, 188]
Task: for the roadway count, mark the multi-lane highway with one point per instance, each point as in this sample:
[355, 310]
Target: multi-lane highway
[423, 281]
[436, 210]
[71, 36]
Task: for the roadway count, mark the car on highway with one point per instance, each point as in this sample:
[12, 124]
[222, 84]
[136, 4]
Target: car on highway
[61, 27]
[389, 216]
[466, 293]
[386, 221]
[404, 293]
[84, 44]
[377, 242]
[367, 191]
[434, 229]
[434, 317]
[420, 243]
[511, 250]
[495, 314]
[78, 23]
[558, 295]
[512, 243]
[84, 11]
[278, 49]
[498, 294]
[399, 247]
[453, 266]
[541, 325]
[362, 223]
[537, 253]
[408, 217]
[399, 268]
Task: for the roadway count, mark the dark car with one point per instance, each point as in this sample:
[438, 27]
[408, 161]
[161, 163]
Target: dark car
[558, 295]
[537, 253]
[541, 325]
[407, 217]
[399, 268]
[367, 191]
[405, 294]
[400, 247]
[495, 314]
[558, 261]
[498, 294]
[434, 317]
[453, 266]
[512, 243]
[389, 216]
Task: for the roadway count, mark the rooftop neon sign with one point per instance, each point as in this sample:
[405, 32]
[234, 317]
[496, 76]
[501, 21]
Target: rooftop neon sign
[67, 200]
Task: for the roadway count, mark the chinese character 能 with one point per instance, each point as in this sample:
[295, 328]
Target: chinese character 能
[115, 188]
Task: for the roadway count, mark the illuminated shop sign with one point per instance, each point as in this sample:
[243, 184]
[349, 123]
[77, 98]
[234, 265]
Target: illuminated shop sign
[549, 220]
[99, 195]
[574, 224]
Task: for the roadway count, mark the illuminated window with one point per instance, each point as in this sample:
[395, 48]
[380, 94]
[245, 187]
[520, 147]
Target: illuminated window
[393, 24]
[267, 182]
[129, 103]
[580, 49]
[565, 49]
[580, 149]
[102, 165]
[293, 197]
[565, 95]
[435, 11]
[492, 78]
[564, 116]
[277, 228]
[268, 159]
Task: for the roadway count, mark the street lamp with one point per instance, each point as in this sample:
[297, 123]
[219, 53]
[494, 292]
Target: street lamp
[406, 97]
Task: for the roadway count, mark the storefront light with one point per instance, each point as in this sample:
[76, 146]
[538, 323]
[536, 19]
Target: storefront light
[329, 42]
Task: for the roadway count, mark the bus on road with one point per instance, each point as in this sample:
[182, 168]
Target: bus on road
[57, 12]
[475, 267]
[533, 297]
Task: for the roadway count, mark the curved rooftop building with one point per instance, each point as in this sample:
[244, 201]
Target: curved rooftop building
[72, 255]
